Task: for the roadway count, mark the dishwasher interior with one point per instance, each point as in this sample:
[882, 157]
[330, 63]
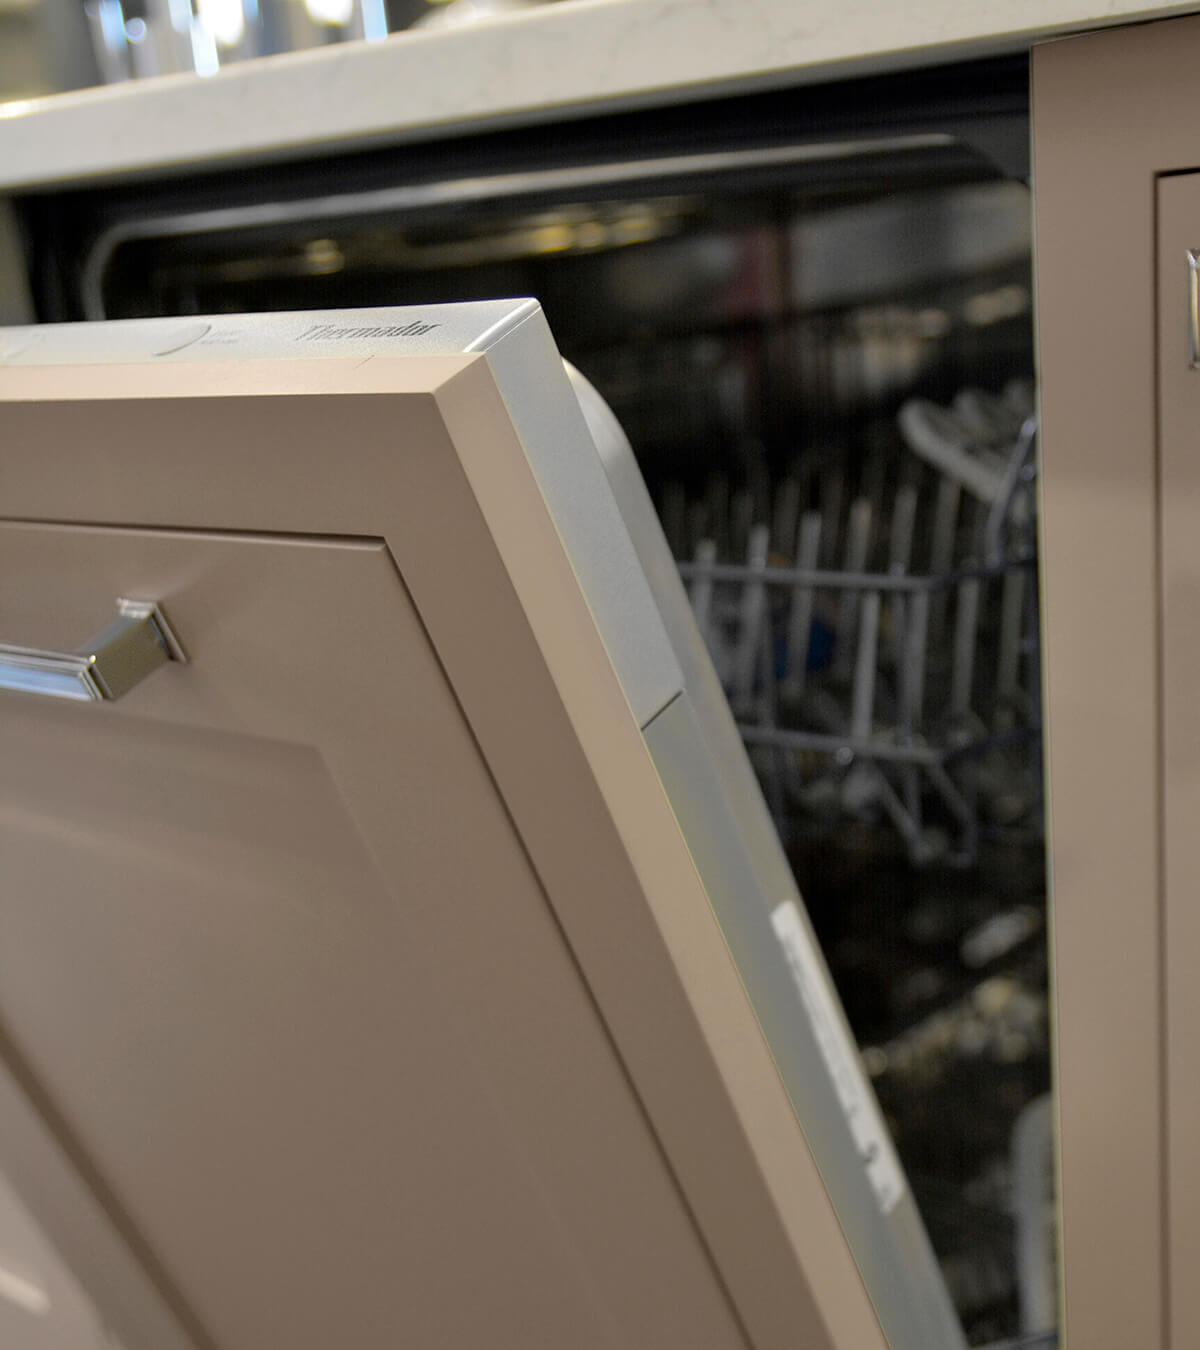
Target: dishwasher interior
[812, 314]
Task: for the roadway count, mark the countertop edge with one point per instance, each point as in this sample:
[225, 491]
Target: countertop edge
[560, 62]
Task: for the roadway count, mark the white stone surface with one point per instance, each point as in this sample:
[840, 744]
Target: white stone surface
[556, 61]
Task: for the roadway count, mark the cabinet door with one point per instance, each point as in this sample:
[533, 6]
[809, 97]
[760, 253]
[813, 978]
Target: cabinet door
[1179, 395]
[1115, 148]
[357, 966]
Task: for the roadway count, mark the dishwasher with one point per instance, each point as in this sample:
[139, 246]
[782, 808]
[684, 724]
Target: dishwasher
[811, 316]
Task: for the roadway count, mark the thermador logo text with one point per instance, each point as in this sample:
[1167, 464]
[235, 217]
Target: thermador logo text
[328, 330]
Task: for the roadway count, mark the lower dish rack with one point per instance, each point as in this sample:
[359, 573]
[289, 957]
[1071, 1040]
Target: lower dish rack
[882, 660]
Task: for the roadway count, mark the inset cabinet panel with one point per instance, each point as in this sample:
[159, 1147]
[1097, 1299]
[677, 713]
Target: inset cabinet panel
[1179, 395]
[302, 1000]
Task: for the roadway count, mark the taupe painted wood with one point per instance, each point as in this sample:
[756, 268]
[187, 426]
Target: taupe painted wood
[1112, 113]
[475, 920]
[123, 1284]
[1179, 391]
[340, 1110]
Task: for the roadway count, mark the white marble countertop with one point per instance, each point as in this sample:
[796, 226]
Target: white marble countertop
[561, 60]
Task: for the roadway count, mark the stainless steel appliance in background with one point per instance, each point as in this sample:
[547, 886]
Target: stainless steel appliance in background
[813, 319]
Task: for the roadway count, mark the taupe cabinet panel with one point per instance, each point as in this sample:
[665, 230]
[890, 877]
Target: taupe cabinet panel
[317, 1092]
[1118, 209]
[357, 986]
[1179, 394]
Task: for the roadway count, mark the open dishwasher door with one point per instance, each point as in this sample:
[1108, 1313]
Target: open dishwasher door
[394, 948]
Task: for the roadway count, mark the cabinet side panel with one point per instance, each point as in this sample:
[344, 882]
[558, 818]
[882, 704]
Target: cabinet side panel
[1094, 126]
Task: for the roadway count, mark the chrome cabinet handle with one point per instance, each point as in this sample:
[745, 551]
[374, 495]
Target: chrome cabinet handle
[122, 655]
[1193, 261]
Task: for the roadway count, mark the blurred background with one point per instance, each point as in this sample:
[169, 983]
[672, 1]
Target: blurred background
[47, 46]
